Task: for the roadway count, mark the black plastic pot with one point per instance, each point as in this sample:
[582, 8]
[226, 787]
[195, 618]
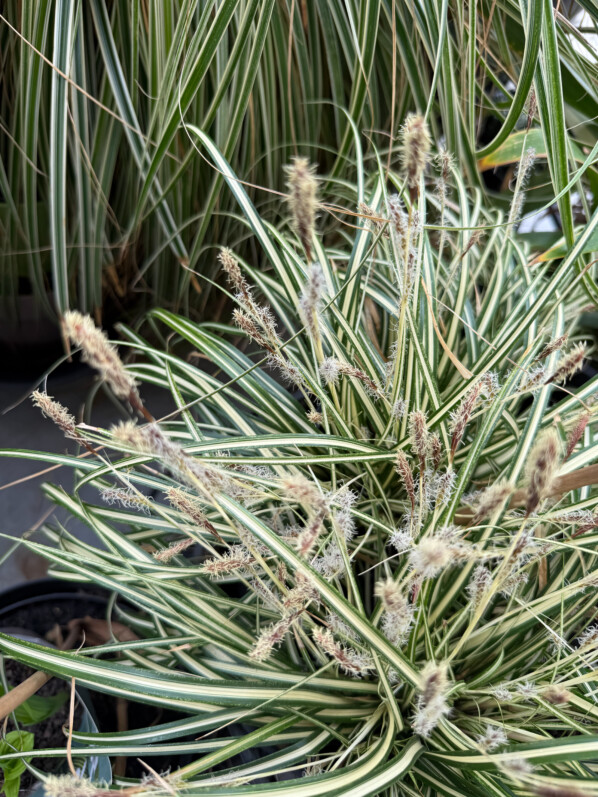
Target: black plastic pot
[29, 611]
[96, 767]
[32, 609]
[39, 606]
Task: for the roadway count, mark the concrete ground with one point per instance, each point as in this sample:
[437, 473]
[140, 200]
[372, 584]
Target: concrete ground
[23, 507]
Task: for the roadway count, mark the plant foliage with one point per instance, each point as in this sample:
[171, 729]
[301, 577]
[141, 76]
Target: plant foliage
[370, 556]
[103, 192]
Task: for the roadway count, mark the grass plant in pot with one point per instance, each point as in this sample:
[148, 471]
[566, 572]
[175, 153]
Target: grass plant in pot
[395, 587]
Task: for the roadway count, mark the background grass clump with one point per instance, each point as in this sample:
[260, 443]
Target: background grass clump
[105, 202]
[363, 547]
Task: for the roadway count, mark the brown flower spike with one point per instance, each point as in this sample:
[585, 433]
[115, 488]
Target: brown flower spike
[303, 202]
[541, 468]
[101, 355]
[415, 151]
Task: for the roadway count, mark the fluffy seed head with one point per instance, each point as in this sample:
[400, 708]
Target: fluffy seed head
[490, 499]
[150, 439]
[330, 370]
[518, 767]
[541, 467]
[298, 488]
[346, 498]
[289, 372]
[554, 345]
[350, 660]
[512, 582]
[405, 230]
[372, 388]
[523, 172]
[310, 301]
[502, 693]
[307, 539]
[431, 703]
[70, 786]
[126, 497]
[56, 412]
[398, 612]
[340, 627]
[131, 435]
[589, 638]
[331, 563]
[404, 470]
[399, 220]
[303, 191]
[480, 582]
[525, 166]
[230, 265]
[397, 625]
[266, 320]
[420, 437]
[390, 595]
[303, 592]
[556, 694]
[186, 504]
[346, 523]
[189, 505]
[576, 432]
[431, 555]
[492, 738]
[237, 558]
[490, 386]
[100, 354]
[271, 637]
[435, 450]
[576, 517]
[399, 408]
[570, 364]
[415, 148]
[527, 690]
[401, 540]
[256, 321]
[460, 417]
[533, 379]
[446, 163]
[532, 107]
[315, 417]
[444, 486]
[250, 328]
[174, 549]
[281, 572]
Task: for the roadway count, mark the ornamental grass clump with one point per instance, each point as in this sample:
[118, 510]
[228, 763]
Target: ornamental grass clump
[370, 559]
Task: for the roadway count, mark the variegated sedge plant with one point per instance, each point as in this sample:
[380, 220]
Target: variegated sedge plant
[369, 563]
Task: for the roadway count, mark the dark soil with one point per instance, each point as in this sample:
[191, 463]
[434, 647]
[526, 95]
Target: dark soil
[48, 733]
[40, 615]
